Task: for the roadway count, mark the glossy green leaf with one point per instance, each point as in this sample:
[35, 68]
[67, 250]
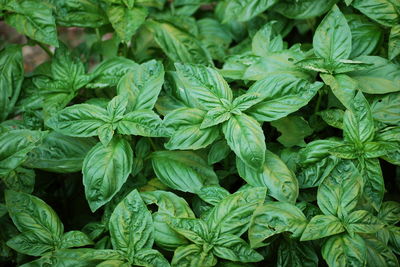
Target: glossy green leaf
[196, 230]
[332, 38]
[237, 10]
[275, 176]
[394, 41]
[294, 253]
[75, 239]
[382, 11]
[322, 226]
[303, 9]
[233, 248]
[193, 255]
[183, 170]
[361, 221]
[131, 225]
[342, 86]
[11, 76]
[142, 122]
[245, 137]
[105, 169]
[273, 218]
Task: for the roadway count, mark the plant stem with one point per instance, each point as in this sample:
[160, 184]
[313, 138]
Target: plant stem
[45, 48]
[317, 106]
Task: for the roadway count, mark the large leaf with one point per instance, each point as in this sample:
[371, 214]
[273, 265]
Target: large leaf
[105, 169]
[179, 45]
[81, 120]
[322, 226]
[142, 122]
[11, 76]
[332, 39]
[238, 10]
[282, 94]
[33, 18]
[381, 78]
[233, 248]
[14, 147]
[34, 218]
[193, 255]
[274, 218]
[339, 193]
[304, 9]
[276, 176]
[131, 225]
[196, 230]
[183, 170]
[343, 250]
[204, 84]
[142, 85]
[245, 137]
[394, 42]
[126, 21]
[379, 254]
[293, 253]
[342, 86]
[362, 221]
[232, 214]
[382, 11]
[60, 153]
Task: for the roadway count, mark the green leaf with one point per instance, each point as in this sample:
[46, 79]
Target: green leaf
[14, 147]
[11, 76]
[365, 35]
[224, 217]
[204, 84]
[131, 225]
[384, 109]
[193, 255]
[293, 253]
[389, 212]
[275, 176]
[273, 218]
[142, 122]
[213, 194]
[215, 117]
[361, 221]
[374, 187]
[381, 78]
[358, 124]
[333, 117]
[31, 243]
[245, 137]
[80, 120]
[339, 193]
[394, 42]
[109, 72]
[379, 254]
[237, 10]
[233, 248]
[150, 257]
[332, 38]
[34, 218]
[196, 230]
[178, 45]
[290, 125]
[20, 179]
[322, 226]
[343, 250]
[33, 18]
[382, 11]
[59, 153]
[105, 169]
[218, 151]
[187, 132]
[282, 94]
[246, 101]
[142, 85]
[342, 86]
[126, 21]
[266, 40]
[303, 9]
[75, 239]
[183, 170]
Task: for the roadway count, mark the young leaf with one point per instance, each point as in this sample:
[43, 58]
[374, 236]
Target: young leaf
[196, 230]
[361, 221]
[187, 132]
[332, 39]
[142, 122]
[193, 255]
[246, 138]
[131, 225]
[105, 169]
[75, 239]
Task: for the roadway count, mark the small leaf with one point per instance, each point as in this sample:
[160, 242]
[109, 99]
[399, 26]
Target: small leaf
[75, 239]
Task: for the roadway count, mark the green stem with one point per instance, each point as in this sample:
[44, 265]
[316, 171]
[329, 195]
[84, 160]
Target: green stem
[152, 144]
[317, 106]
